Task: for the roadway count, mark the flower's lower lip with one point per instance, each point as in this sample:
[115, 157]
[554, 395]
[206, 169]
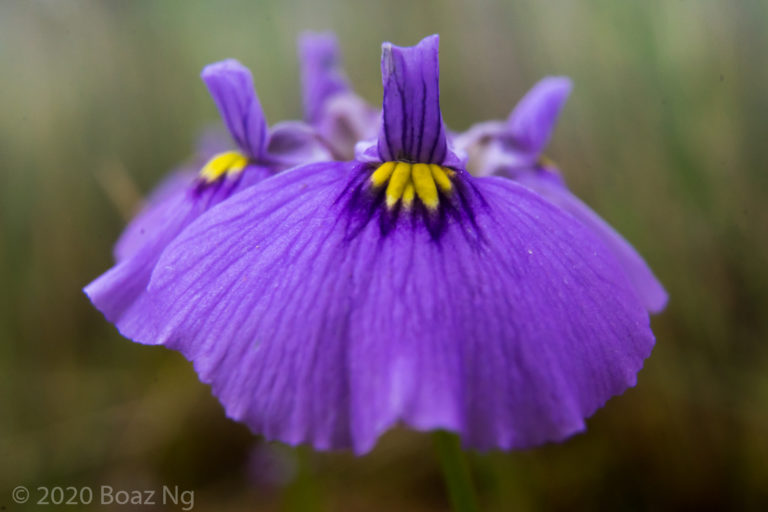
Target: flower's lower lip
[510, 328]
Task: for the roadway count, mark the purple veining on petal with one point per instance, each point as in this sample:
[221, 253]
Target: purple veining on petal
[549, 184]
[513, 149]
[231, 86]
[309, 335]
[116, 292]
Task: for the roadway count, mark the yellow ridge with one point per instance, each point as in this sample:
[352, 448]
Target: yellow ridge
[406, 181]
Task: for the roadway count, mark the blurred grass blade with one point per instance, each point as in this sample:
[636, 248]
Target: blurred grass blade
[303, 494]
[456, 474]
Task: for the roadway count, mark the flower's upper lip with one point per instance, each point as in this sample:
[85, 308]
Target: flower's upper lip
[519, 140]
[288, 143]
[322, 76]
[231, 86]
[411, 127]
[340, 116]
[532, 121]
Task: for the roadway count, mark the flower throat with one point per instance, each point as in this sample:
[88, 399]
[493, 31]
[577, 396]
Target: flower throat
[406, 181]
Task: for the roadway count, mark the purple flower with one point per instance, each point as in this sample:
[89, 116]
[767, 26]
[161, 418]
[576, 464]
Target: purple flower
[336, 300]
[340, 116]
[183, 196]
[513, 148]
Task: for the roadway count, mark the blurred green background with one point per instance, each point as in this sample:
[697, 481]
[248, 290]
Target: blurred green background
[664, 135]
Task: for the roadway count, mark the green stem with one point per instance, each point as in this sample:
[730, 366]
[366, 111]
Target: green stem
[302, 495]
[455, 471]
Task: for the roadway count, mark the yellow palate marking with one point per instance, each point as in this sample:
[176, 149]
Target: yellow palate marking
[407, 181]
[397, 182]
[229, 162]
